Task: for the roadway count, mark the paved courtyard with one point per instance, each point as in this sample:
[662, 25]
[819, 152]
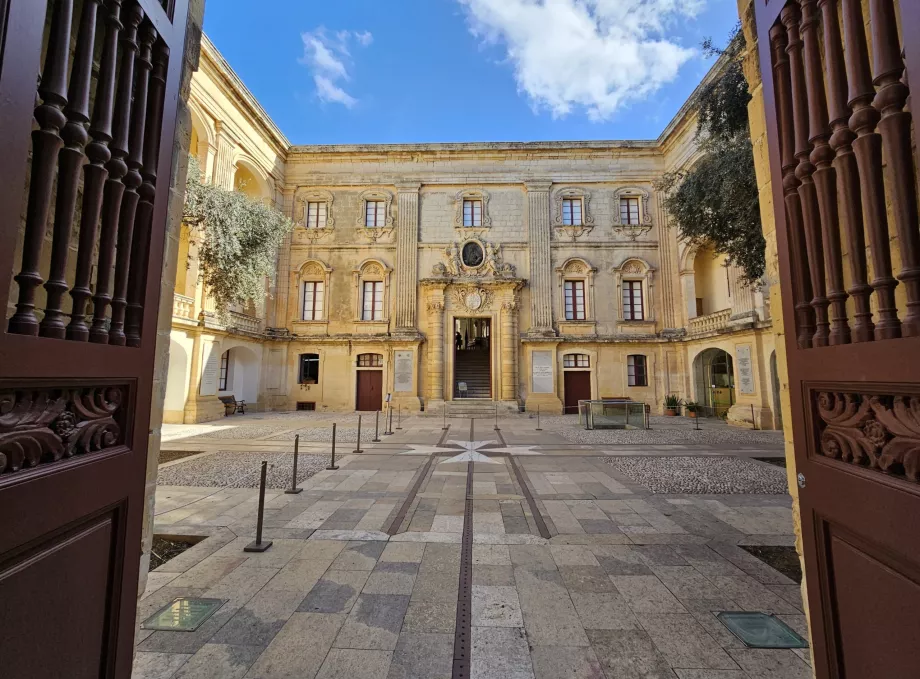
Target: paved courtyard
[552, 558]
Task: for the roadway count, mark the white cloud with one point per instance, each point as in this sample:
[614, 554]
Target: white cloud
[596, 55]
[329, 58]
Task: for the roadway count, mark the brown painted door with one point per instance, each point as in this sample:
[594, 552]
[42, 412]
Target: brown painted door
[852, 313]
[77, 341]
[577, 388]
[370, 390]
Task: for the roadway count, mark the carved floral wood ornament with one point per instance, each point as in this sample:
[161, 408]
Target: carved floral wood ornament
[878, 432]
[46, 425]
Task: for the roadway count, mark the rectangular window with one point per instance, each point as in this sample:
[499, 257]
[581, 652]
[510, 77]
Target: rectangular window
[370, 361]
[629, 210]
[575, 300]
[576, 361]
[571, 211]
[372, 307]
[309, 368]
[633, 309]
[636, 371]
[472, 213]
[375, 214]
[316, 215]
[224, 371]
[313, 300]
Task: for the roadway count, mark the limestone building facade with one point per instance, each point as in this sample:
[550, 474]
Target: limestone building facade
[524, 274]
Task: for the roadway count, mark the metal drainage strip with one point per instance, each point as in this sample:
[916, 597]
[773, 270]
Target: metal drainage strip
[463, 631]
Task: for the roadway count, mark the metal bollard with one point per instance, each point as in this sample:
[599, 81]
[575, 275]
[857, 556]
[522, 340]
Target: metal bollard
[753, 421]
[444, 411]
[258, 545]
[538, 419]
[358, 449]
[389, 430]
[377, 427]
[399, 417]
[496, 418]
[697, 420]
[294, 490]
[332, 466]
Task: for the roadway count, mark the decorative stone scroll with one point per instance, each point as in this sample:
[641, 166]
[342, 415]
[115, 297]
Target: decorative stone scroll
[473, 258]
[472, 194]
[880, 432]
[472, 298]
[301, 201]
[43, 426]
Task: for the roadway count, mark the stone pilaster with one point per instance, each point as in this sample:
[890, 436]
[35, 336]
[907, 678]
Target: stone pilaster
[436, 345]
[406, 256]
[223, 166]
[509, 351]
[280, 312]
[667, 247]
[541, 283]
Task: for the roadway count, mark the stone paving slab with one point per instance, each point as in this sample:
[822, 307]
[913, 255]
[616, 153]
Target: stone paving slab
[627, 585]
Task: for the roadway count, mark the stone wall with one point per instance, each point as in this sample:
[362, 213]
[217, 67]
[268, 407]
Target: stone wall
[167, 284]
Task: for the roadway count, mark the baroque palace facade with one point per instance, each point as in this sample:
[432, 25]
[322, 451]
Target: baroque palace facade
[527, 274]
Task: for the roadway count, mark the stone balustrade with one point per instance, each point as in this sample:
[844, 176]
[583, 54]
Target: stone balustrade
[713, 322]
[183, 307]
[244, 323]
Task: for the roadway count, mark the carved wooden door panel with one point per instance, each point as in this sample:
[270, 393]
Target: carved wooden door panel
[845, 191]
[370, 390]
[88, 102]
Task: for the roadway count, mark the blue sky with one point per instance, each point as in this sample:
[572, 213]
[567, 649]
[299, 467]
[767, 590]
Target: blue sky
[396, 71]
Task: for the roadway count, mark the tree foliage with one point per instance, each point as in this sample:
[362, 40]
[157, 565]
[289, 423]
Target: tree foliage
[239, 238]
[715, 201]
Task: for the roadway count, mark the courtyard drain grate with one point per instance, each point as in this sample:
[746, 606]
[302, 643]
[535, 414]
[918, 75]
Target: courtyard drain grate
[759, 630]
[184, 614]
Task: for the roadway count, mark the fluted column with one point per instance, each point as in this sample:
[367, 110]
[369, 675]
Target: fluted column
[436, 346]
[509, 351]
[282, 293]
[406, 256]
[538, 214]
[223, 171]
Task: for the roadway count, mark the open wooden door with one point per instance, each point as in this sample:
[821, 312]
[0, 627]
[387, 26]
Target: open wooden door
[848, 237]
[88, 102]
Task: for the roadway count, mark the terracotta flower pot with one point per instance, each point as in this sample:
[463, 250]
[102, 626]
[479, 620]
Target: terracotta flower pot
[691, 413]
[670, 412]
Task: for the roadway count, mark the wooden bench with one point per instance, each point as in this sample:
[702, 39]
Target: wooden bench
[231, 405]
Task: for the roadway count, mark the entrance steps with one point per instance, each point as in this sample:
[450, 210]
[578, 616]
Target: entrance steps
[473, 367]
[480, 408]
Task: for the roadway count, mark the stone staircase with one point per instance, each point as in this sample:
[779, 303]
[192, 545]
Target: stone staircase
[473, 367]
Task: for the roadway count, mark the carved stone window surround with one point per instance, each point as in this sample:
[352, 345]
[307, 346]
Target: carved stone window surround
[472, 194]
[375, 233]
[371, 270]
[312, 270]
[636, 269]
[632, 231]
[576, 269]
[572, 231]
[302, 199]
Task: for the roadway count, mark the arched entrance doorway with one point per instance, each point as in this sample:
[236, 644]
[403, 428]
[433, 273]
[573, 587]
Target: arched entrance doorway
[714, 376]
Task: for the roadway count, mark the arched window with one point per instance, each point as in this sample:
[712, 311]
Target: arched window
[314, 291]
[634, 279]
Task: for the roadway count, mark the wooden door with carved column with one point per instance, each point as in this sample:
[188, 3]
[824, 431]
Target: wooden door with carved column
[77, 345]
[849, 251]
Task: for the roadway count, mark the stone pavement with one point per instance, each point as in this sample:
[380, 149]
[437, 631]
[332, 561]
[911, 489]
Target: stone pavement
[363, 578]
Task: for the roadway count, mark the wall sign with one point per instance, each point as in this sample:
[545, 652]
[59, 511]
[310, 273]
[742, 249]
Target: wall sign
[745, 369]
[403, 361]
[208, 386]
[542, 372]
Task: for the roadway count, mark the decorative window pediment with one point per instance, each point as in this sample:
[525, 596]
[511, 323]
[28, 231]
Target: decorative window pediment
[575, 282]
[313, 285]
[375, 219]
[635, 281]
[471, 209]
[372, 290]
[572, 215]
[632, 217]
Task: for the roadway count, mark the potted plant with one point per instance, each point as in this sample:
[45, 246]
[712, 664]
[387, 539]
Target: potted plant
[672, 404]
[692, 408]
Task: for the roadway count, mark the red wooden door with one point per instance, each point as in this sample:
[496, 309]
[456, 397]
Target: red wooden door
[846, 194]
[370, 390]
[577, 388]
[77, 345]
